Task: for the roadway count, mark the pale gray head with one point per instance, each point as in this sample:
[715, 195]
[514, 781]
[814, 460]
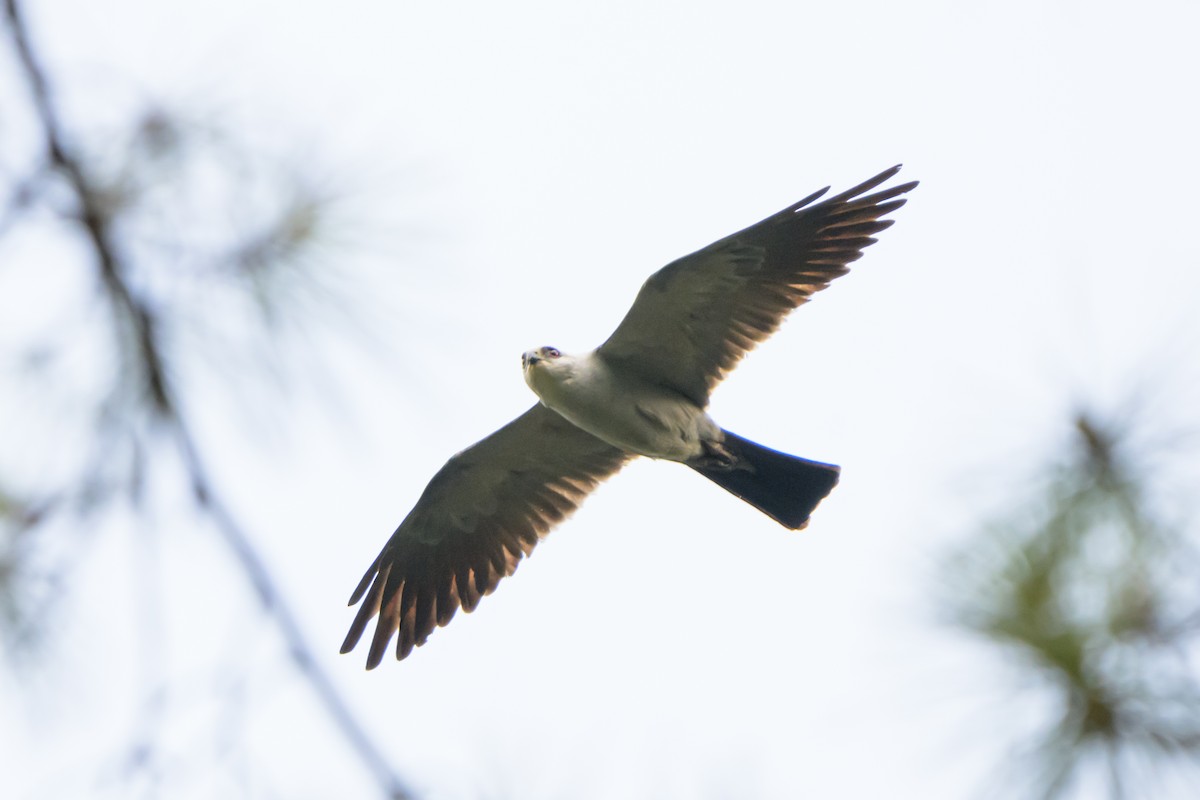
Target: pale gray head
[547, 368]
[531, 358]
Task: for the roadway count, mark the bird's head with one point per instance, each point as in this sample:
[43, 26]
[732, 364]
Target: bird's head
[545, 366]
[542, 356]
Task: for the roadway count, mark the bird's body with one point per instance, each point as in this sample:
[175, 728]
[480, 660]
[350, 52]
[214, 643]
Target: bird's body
[643, 392]
[622, 409]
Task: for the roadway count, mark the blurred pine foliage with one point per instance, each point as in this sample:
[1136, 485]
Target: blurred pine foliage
[1095, 598]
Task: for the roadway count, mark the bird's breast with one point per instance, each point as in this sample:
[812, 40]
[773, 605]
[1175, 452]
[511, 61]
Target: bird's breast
[625, 411]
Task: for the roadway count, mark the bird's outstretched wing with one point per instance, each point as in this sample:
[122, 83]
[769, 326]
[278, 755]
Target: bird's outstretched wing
[695, 318]
[484, 510]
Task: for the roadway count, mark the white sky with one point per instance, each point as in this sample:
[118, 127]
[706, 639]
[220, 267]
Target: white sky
[528, 165]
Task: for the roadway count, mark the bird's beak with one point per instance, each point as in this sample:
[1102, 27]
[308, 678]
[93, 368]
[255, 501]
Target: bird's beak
[529, 358]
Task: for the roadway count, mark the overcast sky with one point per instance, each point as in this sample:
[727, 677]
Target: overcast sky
[526, 166]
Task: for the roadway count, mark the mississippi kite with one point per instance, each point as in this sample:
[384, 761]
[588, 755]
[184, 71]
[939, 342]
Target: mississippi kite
[641, 393]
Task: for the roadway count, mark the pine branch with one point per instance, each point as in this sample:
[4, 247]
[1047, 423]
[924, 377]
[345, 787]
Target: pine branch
[94, 220]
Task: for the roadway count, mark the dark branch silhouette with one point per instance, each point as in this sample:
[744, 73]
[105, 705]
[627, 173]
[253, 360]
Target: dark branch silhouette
[137, 315]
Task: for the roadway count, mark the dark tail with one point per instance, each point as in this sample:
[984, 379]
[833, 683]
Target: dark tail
[783, 487]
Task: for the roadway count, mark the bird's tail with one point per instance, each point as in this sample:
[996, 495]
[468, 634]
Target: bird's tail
[784, 487]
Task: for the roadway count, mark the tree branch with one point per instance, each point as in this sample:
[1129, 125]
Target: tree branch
[94, 218]
[271, 597]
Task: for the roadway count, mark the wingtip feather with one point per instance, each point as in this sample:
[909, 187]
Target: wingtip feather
[870, 184]
[363, 584]
[799, 204]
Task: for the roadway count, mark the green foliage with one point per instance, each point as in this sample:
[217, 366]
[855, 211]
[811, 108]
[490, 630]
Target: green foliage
[1093, 595]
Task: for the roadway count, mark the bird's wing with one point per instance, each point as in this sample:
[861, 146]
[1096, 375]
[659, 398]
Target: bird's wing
[694, 319]
[484, 510]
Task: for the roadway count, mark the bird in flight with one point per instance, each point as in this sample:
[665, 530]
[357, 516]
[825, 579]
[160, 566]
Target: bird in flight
[641, 393]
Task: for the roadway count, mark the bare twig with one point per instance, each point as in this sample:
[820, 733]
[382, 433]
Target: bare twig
[272, 599]
[92, 213]
[93, 216]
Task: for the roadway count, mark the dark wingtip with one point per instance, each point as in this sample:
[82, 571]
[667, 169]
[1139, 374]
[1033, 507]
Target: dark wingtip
[799, 204]
[356, 629]
[871, 183]
[375, 655]
[365, 582]
[887, 174]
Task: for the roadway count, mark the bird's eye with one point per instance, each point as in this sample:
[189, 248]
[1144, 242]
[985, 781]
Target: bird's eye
[552, 352]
